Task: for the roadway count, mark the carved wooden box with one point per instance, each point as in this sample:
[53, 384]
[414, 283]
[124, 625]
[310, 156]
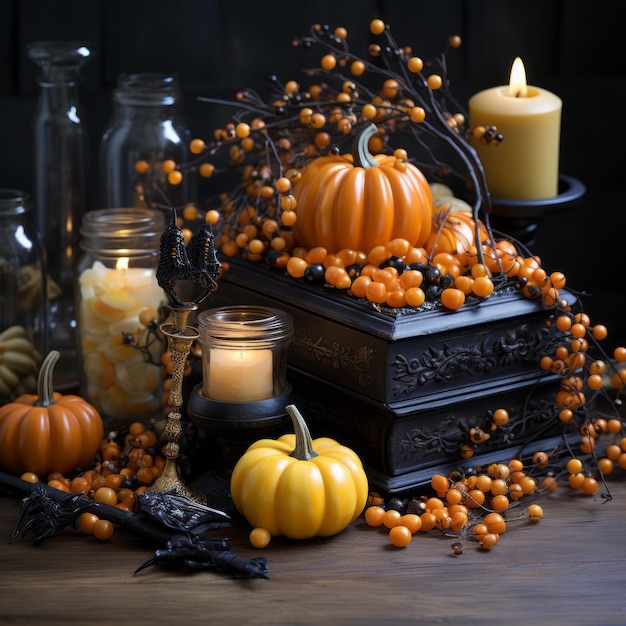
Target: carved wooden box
[404, 390]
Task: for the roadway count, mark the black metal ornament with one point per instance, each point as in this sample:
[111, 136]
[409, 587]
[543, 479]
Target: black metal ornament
[179, 513]
[196, 263]
[46, 511]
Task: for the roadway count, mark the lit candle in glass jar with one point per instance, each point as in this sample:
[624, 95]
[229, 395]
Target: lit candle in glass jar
[240, 375]
[119, 298]
[244, 352]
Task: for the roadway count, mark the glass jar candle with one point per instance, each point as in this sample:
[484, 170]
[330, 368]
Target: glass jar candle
[23, 297]
[244, 352]
[119, 310]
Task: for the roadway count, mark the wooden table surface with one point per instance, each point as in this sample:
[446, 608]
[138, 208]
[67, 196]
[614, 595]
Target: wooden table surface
[569, 568]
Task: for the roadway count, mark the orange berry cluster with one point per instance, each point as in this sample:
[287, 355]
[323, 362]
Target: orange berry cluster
[476, 504]
[270, 140]
[120, 472]
[479, 503]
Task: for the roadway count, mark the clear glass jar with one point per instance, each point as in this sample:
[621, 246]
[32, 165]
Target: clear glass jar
[119, 313]
[61, 163]
[147, 128]
[23, 296]
[244, 352]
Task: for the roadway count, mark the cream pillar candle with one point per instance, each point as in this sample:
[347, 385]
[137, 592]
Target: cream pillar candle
[240, 375]
[525, 165]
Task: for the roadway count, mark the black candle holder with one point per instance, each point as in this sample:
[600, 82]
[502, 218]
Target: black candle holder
[238, 424]
[521, 218]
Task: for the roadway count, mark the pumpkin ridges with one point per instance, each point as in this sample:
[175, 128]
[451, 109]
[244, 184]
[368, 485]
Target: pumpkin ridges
[255, 453]
[457, 232]
[325, 215]
[89, 424]
[300, 493]
[9, 424]
[64, 427]
[405, 194]
[256, 488]
[423, 192]
[309, 187]
[378, 208]
[350, 223]
[33, 442]
[339, 503]
[350, 461]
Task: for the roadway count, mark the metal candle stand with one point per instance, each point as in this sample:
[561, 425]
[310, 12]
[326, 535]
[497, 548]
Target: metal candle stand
[180, 337]
[197, 263]
[521, 218]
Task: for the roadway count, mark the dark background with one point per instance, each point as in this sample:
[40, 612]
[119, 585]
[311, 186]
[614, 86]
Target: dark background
[574, 48]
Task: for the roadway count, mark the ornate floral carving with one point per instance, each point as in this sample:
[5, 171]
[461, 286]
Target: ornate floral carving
[333, 354]
[448, 435]
[443, 363]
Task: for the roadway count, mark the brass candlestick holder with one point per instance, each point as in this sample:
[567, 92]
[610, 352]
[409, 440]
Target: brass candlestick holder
[180, 337]
[196, 263]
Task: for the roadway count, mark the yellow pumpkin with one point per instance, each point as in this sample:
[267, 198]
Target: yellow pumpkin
[48, 432]
[298, 487]
[360, 201]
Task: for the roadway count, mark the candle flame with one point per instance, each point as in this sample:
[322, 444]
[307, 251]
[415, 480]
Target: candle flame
[122, 263]
[517, 82]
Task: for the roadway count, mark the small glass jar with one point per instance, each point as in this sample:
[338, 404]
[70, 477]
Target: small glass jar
[119, 312]
[146, 129]
[23, 296]
[244, 352]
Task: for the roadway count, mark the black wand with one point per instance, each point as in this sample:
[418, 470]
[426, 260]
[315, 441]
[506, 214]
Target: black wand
[46, 511]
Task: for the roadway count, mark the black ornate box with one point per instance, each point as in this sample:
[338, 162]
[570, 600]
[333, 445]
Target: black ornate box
[404, 390]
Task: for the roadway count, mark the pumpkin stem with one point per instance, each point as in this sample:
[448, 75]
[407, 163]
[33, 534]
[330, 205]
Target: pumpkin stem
[304, 445]
[45, 388]
[360, 151]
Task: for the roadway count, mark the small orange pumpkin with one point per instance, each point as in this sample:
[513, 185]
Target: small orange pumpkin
[360, 201]
[48, 432]
[453, 231]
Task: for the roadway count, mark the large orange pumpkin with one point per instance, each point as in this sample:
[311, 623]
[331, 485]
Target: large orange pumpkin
[48, 432]
[360, 201]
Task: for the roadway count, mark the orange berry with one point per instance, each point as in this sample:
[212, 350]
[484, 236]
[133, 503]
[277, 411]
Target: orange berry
[168, 166]
[400, 536]
[411, 521]
[377, 27]
[197, 146]
[391, 518]
[86, 522]
[495, 523]
[259, 537]
[374, 515]
[141, 167]
[102, 529]
[452, 298]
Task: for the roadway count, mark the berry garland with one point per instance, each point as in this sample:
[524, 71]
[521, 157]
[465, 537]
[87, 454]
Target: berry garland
[270, 141]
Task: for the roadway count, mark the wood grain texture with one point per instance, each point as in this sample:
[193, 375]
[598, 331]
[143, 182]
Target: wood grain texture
[569, 568]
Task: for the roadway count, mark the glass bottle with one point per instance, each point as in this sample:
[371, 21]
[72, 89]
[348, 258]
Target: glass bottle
[119, 305]
[60, 152]
[146, 129]
[23, 305]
